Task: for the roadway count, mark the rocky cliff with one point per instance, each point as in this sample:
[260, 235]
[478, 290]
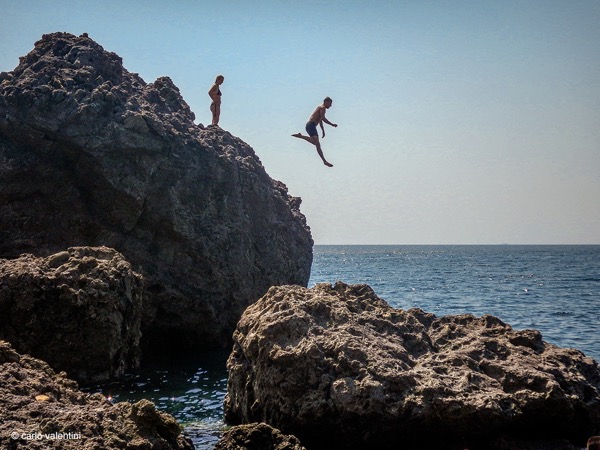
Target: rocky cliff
[92, 155]
[338, 367]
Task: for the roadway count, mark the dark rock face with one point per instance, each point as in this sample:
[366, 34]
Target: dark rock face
[338, 367]
[257, 436]
[41, 409]
[79, 310]
[92, 155]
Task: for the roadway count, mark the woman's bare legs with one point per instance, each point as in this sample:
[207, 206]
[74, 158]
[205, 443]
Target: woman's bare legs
[216, 113]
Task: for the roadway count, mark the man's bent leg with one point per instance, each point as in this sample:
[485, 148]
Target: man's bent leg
[301, 136]
[320, 151]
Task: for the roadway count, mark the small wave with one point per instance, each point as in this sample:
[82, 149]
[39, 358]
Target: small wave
[204, 434]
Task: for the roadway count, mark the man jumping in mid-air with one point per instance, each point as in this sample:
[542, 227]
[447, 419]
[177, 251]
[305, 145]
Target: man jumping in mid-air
[317, 118]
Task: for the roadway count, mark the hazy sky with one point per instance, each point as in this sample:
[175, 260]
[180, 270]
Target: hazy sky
[460, 122]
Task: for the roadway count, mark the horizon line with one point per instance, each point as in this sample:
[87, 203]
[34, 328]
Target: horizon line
[464, 245]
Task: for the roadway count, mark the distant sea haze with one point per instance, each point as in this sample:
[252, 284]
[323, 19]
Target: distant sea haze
[554, 289]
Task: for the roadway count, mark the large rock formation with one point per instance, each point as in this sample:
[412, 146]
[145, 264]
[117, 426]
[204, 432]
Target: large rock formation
[339, 368]
[79, 310]
[43, 410]
[257, 436]
[92, 155]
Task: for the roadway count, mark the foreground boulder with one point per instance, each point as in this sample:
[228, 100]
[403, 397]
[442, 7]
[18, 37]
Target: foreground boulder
[43, 410]
[79, 310]
[257, 436]
[338, 367]
[90, 154]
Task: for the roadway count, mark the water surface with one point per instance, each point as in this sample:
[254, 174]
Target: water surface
[555, 289]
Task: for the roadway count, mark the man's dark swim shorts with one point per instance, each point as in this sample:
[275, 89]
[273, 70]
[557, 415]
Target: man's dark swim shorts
[311, 129]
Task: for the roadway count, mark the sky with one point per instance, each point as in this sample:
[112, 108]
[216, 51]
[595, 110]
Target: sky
[459, 122]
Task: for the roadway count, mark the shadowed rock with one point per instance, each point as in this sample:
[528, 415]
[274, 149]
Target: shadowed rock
[90, 154]
[338, 367]
[79, 310]
[41, 409]
[257, 436]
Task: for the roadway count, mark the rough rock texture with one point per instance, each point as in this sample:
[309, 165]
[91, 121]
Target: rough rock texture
[44, 410]
[257, 436]
[92, 155]
[79, 310]
[337, 366]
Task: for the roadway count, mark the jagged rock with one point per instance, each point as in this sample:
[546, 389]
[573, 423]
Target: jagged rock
[69, 419]
[338, 367]
[92, 155]
[79, 310]
[511, 443]
[257, 436]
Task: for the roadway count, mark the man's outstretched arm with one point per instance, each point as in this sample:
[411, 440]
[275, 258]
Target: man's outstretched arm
[329, 123]
[324, 119]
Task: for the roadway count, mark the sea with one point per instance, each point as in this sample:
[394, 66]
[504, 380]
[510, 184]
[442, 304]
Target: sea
[554, 289]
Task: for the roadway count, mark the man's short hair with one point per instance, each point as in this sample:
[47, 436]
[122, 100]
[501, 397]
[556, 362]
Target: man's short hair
[328, 99]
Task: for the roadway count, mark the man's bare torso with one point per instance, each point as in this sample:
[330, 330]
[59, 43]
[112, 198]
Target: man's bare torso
[317, 115]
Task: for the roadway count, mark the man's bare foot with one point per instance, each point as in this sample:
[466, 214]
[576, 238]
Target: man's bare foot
[298, 135]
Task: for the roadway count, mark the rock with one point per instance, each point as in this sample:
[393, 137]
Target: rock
[509, 443]
[79, 310]
[70, 419]
[90, 154]
[257, 436]
[338, 367]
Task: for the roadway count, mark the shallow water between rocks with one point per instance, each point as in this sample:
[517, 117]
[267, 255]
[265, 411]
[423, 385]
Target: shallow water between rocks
[190, 389]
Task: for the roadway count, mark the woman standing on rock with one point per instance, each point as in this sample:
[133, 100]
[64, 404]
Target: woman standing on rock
[215, 94]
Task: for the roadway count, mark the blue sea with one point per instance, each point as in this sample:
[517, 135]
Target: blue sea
[554, 289]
